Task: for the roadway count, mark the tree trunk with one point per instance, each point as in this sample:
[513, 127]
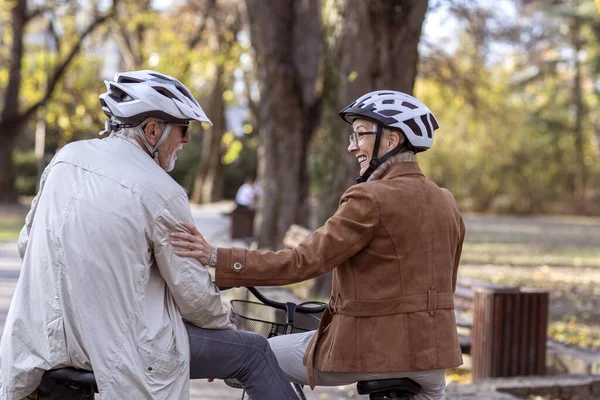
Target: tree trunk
[580, 173]
[377, 50]
[286, 36]
[10, 110]
[208, 184]
[8, 193]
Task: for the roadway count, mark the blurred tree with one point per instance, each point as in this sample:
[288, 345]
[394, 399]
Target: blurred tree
[13, 117]
[225, 21]
[509, 96]
[287, 37]
[558, 57]
[196, 43]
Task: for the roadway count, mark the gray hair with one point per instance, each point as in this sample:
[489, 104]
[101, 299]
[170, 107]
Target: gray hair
[127, 133]
[130, 133]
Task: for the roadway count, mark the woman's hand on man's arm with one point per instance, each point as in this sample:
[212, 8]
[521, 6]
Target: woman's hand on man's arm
[192, 245]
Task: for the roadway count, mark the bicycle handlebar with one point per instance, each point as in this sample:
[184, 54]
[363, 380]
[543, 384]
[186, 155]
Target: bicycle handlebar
[283, 306]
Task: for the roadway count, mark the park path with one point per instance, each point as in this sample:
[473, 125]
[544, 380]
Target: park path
[213, 222]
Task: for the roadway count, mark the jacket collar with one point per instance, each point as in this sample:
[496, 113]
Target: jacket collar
[402, 168]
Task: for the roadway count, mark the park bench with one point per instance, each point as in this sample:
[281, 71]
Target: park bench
[502, 328]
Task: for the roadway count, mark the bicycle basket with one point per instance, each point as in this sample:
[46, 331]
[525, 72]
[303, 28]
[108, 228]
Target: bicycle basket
[268, 321]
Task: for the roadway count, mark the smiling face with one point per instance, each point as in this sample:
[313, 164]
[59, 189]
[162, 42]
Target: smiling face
[363, 149]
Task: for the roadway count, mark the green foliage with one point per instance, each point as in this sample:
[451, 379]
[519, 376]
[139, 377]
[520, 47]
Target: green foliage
[507, 141]
[243, 166]
[26, 166]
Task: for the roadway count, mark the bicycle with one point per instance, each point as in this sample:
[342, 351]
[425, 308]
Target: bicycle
[268, 318]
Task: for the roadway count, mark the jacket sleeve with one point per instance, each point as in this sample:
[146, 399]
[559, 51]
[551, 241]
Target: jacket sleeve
[342, 236]
[25, 231]
[190, 283]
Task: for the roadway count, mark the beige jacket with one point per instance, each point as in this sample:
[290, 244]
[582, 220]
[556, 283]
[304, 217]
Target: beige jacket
[394, 246]
[100, 287]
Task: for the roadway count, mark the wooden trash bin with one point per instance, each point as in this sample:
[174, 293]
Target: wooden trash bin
[242, 223]
[509, 332]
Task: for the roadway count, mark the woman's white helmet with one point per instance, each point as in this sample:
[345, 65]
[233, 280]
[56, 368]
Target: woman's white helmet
[132, 97]
[396, 110]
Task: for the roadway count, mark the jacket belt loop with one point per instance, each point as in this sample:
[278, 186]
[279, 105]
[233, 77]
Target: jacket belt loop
[432, 300]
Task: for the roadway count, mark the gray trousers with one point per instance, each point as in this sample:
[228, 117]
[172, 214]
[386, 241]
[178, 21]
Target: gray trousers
[245, 356]
[290, 349]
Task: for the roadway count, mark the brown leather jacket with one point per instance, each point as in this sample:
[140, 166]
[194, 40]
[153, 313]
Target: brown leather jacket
[394, 245]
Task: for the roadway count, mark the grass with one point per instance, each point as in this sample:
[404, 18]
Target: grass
[561, 256]
[530, 254]
[10, 226]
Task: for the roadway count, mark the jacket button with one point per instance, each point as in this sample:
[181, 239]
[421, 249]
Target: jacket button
[238, 266]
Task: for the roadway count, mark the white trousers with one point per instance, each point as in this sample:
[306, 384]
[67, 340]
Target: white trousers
[289, 351]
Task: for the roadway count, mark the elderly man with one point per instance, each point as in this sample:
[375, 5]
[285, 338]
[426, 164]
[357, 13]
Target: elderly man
[101, 288]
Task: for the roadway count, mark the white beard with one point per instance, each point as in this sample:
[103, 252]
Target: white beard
[171, 163]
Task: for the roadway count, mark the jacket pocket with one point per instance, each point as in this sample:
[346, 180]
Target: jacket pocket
[161, 368]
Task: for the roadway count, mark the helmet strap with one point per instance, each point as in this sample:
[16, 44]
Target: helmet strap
[375, 161]
[153, 150]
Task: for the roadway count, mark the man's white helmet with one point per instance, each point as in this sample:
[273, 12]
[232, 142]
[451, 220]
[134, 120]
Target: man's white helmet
[396, 110]
[134, 96]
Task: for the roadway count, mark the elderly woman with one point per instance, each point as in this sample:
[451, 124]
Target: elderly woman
[394, 246]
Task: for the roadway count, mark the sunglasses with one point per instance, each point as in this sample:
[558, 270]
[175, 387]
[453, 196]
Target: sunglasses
[354, 136]
[184, 128]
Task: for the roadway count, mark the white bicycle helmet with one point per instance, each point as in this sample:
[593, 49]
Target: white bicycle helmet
[395, 110]
[134, 96]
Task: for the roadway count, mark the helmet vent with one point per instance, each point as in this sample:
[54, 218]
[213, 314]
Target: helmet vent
[427, 125]
[390, 113]
[165, 93]
[414, 127]
[128, 80]
[119, 95]
[434, 122]
[389, 101]
[385, 94]
[409, 105]
[185, 93]
[161, 77]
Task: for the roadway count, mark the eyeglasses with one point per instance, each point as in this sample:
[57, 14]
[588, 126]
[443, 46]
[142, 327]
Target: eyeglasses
[354, 136]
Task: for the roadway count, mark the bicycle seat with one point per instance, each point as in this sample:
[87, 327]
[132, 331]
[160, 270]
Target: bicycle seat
[72, 376]
[388, 388]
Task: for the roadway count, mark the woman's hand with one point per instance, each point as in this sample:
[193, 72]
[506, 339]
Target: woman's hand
[191, 245]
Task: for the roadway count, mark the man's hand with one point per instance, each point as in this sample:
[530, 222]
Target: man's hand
[191, 245]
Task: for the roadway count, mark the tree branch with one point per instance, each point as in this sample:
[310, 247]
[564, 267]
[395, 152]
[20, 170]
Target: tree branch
[36, 12]
[195, 39]
[52, 31]
[61, 68]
